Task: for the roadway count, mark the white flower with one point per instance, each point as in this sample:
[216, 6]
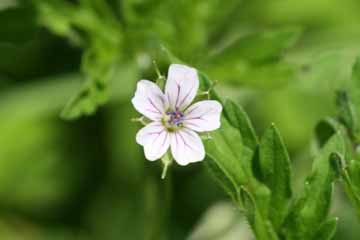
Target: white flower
[174, 122]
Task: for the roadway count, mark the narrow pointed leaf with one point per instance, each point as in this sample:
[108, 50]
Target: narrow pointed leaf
[239, 119]
[275, 169]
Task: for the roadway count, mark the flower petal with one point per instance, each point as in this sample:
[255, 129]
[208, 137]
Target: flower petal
[203, 116]
[181, 86]
[155, 139]
[149, 100]
[147, 133]
[186, 147]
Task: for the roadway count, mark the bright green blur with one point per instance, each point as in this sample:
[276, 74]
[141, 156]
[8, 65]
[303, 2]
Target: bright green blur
[86, 178]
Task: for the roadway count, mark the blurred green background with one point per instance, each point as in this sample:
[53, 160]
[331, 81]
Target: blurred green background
[86, 178]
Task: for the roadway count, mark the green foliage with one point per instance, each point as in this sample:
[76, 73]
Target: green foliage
[354, 102]
[57, 178]
[239, 119]
[261, 51]
[225, 151]
[347, 114]
[140, 30]
[258, 178]
[346, 124]
[258, 48]
[275, 172]
[326, 230]
[313, 204]
[90, 24]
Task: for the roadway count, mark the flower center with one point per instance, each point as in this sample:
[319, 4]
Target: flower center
[173, 120]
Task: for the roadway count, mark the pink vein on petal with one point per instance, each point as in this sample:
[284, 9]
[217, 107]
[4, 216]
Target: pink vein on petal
[178, 94]
[152, 104]
[186, 96]
[183, 139]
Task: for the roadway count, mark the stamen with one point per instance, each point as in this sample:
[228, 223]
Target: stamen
[175, 119]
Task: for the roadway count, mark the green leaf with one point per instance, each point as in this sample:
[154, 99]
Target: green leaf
[230, 163]
[240, 72]
[354, 92]
[224, 152]
[356, 73]
[325, 129]
[354, 171]
[92, 26]
[351, 180]
[261, 47]
[262, 227]
[346, 112]
[86, 101]
[313, 205]
[326, 230]
[230, 160]
[275, 168]
[224, 180]
[238, 118]
[336, 162]
[207, 85]
[251, 59]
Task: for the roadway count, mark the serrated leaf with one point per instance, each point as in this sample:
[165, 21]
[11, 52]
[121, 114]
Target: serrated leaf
[275, 170]
[238, 118]
[326, 230]
[313, 205]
